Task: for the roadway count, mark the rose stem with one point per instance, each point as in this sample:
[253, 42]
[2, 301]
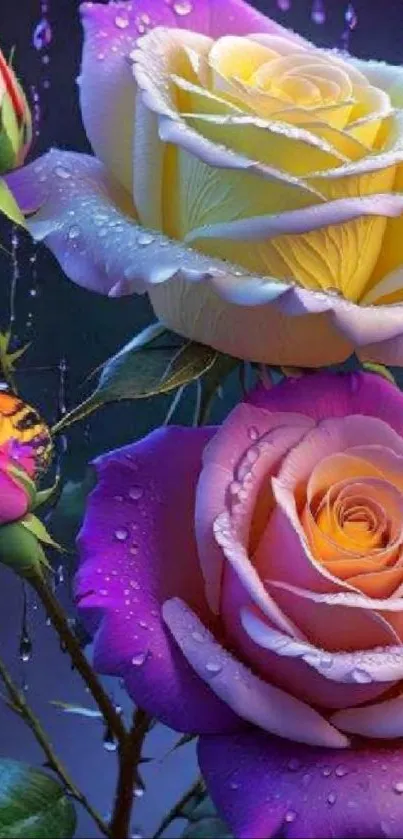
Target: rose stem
[129, 759]
[20, 706]
[197, 789]
[71, 644]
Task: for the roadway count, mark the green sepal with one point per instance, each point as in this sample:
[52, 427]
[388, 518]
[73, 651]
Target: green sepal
[38, 529]
[21, 551]
[45, 495]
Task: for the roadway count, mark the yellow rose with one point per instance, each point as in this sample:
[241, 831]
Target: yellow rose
[269, 169]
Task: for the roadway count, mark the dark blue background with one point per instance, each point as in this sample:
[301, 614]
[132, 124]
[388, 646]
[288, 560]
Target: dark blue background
[69, 323]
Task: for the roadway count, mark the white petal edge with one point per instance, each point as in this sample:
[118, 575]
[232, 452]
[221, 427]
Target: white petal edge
[359, 667]
[255, 701]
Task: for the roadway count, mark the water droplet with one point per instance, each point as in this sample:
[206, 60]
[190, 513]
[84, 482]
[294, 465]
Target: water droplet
[398, 787]
[121, 534]
[326, 771]
[182, 7]
[198, 636]
[341, 771]
[318, 13]
[109, 742]
[143, 624]
[351, 16]
[62, 172]
[25, 648]
[326, 661]
[136, 834]
[362, 677]
[253, 433]
[290, 816]
[234, 785]
[145, 239]
[135, 493]
[293, 765]
[213, 667]
[122, 20]
[252, 454]
[138, 792]
[134, 551]
[42, 34]
[139, 659]
[332, 798]
[284, 5]
[74, 232]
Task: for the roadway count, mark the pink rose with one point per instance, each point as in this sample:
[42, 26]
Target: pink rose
[253, 574]
[17, 468]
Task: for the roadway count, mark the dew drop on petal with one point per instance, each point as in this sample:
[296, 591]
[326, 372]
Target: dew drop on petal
[293, 765]
[62, 172]
[135, 493]
[341, 771]
[145, 239]
[213, 667]
[198, 637]
[73, 232]
[121, 534]
[139, 659]
[290, 816]
[182, 7]
[332, 798]
[122, 20]
[326, 771]
[398, 787]
[362, 677]
[253, 433]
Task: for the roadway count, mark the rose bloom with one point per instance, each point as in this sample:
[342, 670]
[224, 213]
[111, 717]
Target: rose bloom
[248, 181]
[246, 583]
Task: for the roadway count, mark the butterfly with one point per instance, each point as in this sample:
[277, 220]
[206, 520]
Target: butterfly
[21, 422]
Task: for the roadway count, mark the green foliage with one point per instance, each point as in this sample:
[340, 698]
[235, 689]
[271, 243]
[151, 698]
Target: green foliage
[203, 821]
[140, 371]
[33, 805]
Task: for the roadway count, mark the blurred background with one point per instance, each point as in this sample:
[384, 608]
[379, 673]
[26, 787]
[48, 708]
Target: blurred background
[71, 332]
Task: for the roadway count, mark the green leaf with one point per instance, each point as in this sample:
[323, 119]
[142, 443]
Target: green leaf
[9, 206]
[33, 805]
[140, 373]
[8, 359]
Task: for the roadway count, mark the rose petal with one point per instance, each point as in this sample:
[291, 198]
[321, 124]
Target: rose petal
[360, 667]
[267, 787]
[130, 546]
[14, 501]
[238, 435]
[326, 395]
[255, 701]
[87, 221]
[383, 720]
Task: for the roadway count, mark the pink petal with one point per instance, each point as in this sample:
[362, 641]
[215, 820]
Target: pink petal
[383, 720]
[254, 700]
[237, 440]
[133, 557]
[376, 668]
[14, 501]
[293, 675]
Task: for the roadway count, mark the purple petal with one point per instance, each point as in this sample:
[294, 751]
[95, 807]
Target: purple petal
[265, 787]
[254, 700]
[137, 549]
[325, 395]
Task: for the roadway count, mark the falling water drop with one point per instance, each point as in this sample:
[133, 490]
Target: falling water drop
[42, 35]
[284, 5]
[109, 741]
[25, 644]
[318, 13]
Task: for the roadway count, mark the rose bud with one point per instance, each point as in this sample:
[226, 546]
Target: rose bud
[15, 119]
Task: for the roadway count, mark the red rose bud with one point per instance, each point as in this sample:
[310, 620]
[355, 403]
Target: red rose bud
[15, 120]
